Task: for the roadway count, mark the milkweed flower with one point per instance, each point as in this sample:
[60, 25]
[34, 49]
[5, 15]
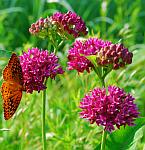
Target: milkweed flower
[41, 28]
[107, 54]
[116, 108]
[37, 66]
[67, 25]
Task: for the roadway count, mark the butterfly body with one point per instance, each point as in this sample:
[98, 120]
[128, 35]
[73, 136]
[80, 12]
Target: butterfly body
[12, 87]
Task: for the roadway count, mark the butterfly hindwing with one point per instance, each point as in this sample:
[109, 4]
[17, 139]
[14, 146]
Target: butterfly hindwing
[11, 94]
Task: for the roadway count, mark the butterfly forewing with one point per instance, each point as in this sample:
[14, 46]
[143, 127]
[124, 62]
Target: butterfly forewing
[13, 71]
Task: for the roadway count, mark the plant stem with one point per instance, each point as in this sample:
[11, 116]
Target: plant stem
[43, 118]
[102, 82]
[104, 135]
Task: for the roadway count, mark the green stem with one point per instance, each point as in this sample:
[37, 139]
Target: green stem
[103, 82]
[104, 135]
[58, 46]
[43, 118]
[54, 45]
[97, 71]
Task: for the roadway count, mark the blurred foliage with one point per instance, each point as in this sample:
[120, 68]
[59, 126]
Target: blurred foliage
[111, 20]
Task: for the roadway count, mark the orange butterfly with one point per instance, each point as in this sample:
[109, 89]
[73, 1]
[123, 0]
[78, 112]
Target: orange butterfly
[12, 87]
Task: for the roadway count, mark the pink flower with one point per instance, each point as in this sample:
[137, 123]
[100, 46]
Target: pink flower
[107, 110]
[107, 54]
[41, 27]
[71, 23]
[36, 66]
[67, 25]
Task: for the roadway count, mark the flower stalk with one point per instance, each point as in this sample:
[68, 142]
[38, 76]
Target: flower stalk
[43, 117]
[103, 143]
[104, 134]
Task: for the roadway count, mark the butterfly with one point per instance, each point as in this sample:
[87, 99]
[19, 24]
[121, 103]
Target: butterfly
[12, 86]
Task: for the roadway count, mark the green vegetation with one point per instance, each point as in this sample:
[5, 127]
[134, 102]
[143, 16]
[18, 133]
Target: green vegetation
[112, 20]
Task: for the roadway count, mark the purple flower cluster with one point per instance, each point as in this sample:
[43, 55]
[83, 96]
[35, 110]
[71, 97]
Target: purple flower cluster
[115, 108]
[106, 54]
[40, 28]
[70, 23]
[66, 25]
[115, 54]
[36, 66]
[80, 49]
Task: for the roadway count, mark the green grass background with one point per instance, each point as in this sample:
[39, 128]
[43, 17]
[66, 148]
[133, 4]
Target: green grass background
[110, 20]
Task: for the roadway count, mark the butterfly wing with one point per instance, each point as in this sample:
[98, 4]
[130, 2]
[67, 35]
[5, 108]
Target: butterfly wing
[11, 94]
[12, 87]
[13, 71]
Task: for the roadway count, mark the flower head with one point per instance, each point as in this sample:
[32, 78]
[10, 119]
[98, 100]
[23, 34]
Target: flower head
[69, 23]
[37, 66]
[107, 54]
[115, 108]
[65, 25]
[41, 27]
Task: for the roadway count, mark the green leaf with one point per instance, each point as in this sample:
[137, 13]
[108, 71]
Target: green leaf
[136, 141]
[122, 139]
[92, 59]
[11, 10]
[5, 53]
[97, 69]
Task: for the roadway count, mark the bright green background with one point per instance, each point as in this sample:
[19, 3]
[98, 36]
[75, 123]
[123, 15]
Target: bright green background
[111, 20]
